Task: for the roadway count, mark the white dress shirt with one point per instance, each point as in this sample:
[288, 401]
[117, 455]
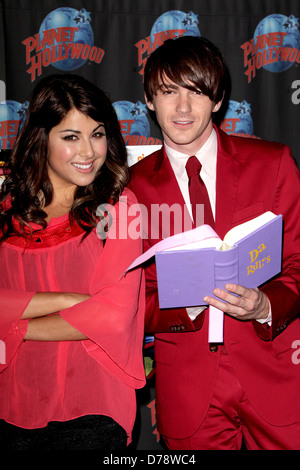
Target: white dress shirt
[207, 155]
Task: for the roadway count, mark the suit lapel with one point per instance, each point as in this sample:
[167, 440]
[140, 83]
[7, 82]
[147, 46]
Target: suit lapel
[168, 195]
[164, 181]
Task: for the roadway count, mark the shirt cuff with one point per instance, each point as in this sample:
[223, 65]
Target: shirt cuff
[268, 319]
[193, 312]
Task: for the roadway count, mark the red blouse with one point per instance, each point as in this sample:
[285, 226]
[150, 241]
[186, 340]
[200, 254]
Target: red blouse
[58, 381]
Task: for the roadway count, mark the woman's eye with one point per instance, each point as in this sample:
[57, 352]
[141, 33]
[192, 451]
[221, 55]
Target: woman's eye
[99, 135]
[70, 137]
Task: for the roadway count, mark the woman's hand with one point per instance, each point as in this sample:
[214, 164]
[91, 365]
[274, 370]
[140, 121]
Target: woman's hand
[43, 326]
[46, 303]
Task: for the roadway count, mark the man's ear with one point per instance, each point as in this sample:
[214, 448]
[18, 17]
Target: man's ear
[218, 105]
[149, 103]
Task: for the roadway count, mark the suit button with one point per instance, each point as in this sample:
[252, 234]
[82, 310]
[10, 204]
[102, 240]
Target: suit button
[282, 327]
[213, 348]
[177, 327]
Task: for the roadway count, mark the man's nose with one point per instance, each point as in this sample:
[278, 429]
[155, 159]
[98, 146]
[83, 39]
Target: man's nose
[183, 103]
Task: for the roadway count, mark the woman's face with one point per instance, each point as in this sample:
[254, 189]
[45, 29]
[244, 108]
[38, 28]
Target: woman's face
[77, 149]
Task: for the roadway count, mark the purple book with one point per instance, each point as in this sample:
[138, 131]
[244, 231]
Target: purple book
[249, 255]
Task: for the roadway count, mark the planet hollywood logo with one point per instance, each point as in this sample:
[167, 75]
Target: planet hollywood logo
[274, 47]
[134, 124]
[169, 25]
[237, 120]
[65, 40]
[12, 114]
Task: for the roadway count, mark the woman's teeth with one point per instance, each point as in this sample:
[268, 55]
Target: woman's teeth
[82, 165]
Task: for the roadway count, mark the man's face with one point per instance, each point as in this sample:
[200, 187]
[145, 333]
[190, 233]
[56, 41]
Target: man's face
[185, 116]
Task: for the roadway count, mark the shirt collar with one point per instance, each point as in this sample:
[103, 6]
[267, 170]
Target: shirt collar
[207, 155]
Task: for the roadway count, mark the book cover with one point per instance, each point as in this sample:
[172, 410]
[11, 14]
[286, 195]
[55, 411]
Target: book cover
[186, 276]
[190, 265]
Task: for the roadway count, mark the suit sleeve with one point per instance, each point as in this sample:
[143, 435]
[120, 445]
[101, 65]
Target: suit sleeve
[159, 320]
[284, 291]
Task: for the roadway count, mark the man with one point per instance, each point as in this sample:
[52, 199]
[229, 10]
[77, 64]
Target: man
[213, 396]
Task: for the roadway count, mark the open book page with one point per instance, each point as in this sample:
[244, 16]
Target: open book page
[241, 231]
[180, 240]
[214, 242]
[204, 237]
[231, 238]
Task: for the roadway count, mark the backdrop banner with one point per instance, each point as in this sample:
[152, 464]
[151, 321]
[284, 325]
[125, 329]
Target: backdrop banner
[109, 41]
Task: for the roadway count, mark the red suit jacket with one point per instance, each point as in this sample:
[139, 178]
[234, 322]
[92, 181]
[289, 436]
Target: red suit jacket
[253, 176]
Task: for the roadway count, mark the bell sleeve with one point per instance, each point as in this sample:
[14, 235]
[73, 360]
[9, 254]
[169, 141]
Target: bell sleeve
[113, 317]
[12, 329]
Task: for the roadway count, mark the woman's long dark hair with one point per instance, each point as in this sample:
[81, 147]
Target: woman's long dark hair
[51, 100]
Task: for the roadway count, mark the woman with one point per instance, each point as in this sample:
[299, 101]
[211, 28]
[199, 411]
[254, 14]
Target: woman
[71, 323]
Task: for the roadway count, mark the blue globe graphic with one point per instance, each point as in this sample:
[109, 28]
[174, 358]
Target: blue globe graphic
[278, 23]
[68, 17]
[240, 112]
[135, 115]
[176, 20]
[10, 116]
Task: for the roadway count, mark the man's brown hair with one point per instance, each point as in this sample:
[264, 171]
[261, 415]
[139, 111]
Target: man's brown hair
[189, 61]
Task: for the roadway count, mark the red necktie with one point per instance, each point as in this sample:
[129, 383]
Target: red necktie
[198, 191]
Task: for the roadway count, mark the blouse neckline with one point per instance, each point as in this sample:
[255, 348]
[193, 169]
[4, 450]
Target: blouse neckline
[58, 230]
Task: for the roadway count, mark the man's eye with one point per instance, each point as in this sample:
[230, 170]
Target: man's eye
[167, 91]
